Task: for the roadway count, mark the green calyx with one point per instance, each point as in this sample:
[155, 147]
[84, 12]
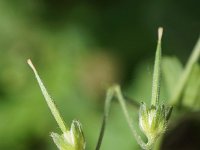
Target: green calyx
[70, 140]
[153, 120]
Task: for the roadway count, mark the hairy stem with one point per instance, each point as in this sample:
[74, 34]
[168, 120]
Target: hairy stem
[115, 91]
[127, 116]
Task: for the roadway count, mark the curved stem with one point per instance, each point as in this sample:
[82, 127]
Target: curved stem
[128, 119]
[109, 96]
[116, 91]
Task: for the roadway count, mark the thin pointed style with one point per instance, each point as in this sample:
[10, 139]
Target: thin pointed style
[48, 99]
[157, 71]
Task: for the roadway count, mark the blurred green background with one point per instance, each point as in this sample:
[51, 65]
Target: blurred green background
[80, 48]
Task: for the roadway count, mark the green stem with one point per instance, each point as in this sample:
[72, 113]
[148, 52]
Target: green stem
[116, 91]
[158, 143]
[127, 116]
[49, 100]
[185, 75]
[109, 96]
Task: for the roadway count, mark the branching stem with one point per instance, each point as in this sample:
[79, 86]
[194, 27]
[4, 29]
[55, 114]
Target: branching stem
[115, 91]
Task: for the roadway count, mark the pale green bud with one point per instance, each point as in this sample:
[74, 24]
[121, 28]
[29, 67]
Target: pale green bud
[153, 120]
[72, 139]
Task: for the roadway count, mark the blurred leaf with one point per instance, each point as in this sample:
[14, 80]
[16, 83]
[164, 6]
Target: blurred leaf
[172, 69]
[191, 93]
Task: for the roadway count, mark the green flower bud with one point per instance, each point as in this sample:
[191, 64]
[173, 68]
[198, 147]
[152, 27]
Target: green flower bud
[153, 120]
[72, 139]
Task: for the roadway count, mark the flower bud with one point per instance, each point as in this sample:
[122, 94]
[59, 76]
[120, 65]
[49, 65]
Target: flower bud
[72, 139]
[153, 120]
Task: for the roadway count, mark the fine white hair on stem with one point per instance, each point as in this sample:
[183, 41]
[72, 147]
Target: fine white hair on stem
[48, 99]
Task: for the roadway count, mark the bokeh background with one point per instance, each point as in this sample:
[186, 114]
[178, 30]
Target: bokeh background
[80, 48]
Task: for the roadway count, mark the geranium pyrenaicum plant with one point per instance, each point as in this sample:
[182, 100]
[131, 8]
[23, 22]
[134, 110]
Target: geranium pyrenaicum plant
[70, 139]
[152, 120]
